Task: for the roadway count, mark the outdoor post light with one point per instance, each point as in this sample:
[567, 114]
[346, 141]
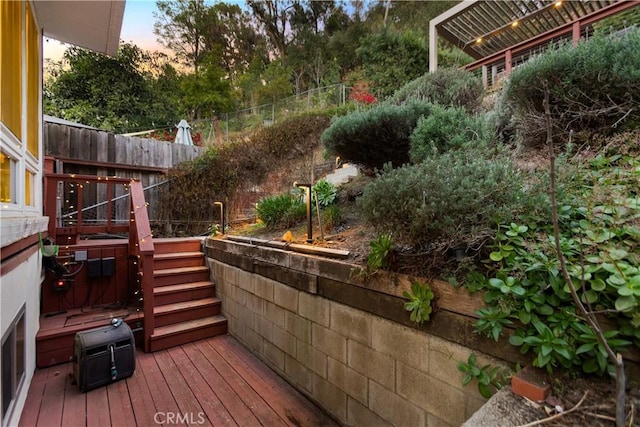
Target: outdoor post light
[307, 189]
[221, 214]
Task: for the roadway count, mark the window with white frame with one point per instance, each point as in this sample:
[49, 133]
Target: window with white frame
[13, 363]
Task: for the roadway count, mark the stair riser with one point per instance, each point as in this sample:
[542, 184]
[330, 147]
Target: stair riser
[174, 247]
[176, 279]
[186, 315]
[160, 264]
[182, 296]
[186, 337]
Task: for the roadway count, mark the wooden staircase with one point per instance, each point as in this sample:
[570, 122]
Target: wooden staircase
[185, 304]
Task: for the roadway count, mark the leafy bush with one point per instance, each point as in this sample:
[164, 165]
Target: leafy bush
[444, 129]
[449, 87]
[489, 377]
[609, 64]
[326, 192]
[222, 171]
[374, 137]
[282, 210]
[390, 59]
[600, 240]
[458, 196]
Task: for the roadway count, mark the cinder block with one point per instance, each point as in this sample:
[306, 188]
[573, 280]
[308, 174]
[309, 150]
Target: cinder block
[246, 281]
[360, 415]
[236, 327]
[433, 421]
[434, 396]
[263, 288]
[298, 326]
[348, 380]
[298, 373]
[312, 358]
[329, 342]
[263, 327]
[407, 345]
[274, 314]
[333, 399]
[443, 360]
[245, 316]
[274, 355]
[372, 364]
[393, 408]
[254, 341]
[352, 323]
[240, 295]
[255, 304]
[229, 307]
[314, 308]
[473, 404]
[285, 296]
[231, 275]
[284, 341]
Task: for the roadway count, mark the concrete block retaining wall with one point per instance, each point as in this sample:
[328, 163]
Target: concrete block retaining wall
[357, 363]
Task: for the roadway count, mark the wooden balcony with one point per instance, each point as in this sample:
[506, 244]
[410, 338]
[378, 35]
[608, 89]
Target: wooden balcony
[214, 381]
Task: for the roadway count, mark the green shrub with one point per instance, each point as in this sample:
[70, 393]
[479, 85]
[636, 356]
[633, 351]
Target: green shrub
[244, 162]
[382, 250]
[457, 196]
[331, 217]
[444, 129]
[593, 86]
[325, 191]
[374, 137]
[282, 210]
[599, 237]
[449, 87]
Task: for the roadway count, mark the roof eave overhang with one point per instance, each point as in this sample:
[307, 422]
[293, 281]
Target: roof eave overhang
[93, 25]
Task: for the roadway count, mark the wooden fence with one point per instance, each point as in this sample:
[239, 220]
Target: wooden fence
[86, 151]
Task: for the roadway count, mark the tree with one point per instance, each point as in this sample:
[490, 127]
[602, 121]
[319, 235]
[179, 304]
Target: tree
[181, 26]
[274, 17]
[110, 93]
[391, 59]
[207, 91]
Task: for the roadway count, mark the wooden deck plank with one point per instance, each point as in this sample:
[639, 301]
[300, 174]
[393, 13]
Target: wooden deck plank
[35, 396]
[120, 406]
[53, 397]
[290, 404]
[240, 412]
[189, 406]
[162, 397]
[216, 376]
[98, 408]
[74, 411]
[202, 391]
[144, 408]
[258, 406]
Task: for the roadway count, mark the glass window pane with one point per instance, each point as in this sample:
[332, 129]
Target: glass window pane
[10, 61]
[33, 84]
[7, 368]
[7, 179]
[20, 356]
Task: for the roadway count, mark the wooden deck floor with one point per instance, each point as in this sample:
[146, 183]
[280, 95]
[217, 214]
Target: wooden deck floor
[209, 382]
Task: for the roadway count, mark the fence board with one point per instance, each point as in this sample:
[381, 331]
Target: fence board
[115, 155]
